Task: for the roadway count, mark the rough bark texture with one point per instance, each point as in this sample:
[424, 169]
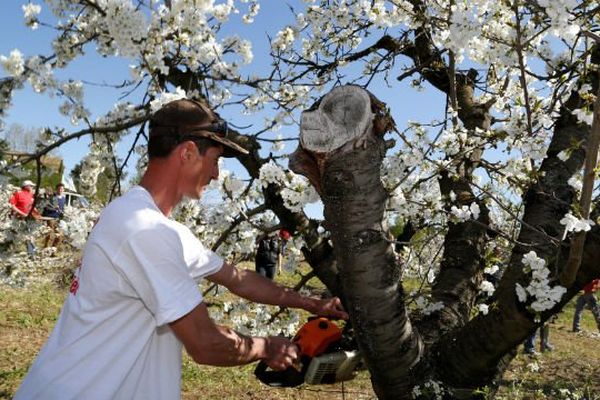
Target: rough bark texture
[471, 356]
[354, 200]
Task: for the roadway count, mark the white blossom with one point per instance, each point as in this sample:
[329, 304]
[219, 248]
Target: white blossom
[13, 64]
[574, 224]
[491, 270]
[584, 116]
[283, 39]
[483, 308]
[487, 287]
[563, 155]
[271, 173]
[544, 296]
[521, 293]
[30, 13]
[533, 367]
[167, 97]
[462, 214]
[474, 208]
[575, 182]
[465, 212]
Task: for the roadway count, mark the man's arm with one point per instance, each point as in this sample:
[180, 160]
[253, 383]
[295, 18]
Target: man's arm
[279, 261]
[211, 344]
[254, 287]
[16, 210]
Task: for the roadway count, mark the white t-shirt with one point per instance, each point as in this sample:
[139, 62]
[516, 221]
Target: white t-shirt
[111, 340]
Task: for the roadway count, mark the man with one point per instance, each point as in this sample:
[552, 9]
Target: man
[54, 210]
[21, 201]
[56, 204]
[544, 341]
[587, 299]
[267, 256]
[135, 301]
[285, 237]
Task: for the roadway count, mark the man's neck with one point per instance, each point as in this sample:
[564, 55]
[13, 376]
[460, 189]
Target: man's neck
[161, 187]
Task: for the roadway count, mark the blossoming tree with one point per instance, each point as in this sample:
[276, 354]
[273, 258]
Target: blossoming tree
[502, 181]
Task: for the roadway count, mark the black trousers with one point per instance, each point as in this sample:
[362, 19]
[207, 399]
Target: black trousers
[266, 269]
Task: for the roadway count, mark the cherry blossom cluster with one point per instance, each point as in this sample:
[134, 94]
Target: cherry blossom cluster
[431, 389]
[296, 191]
[539, 290]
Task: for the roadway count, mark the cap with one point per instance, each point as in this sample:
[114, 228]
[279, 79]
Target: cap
[27, 183]
[188, 119]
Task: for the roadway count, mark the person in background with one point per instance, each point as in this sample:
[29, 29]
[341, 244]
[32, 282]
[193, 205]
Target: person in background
[21, 201]
[21, 204]
[587, 299]
[55, 206]
[284, 237]
[54, 210]
[544, 340]
[268, 253]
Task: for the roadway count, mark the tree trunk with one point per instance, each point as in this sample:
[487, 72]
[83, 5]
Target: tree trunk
[341, 153]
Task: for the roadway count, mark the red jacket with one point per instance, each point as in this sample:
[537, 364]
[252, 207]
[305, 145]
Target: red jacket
[592, 286]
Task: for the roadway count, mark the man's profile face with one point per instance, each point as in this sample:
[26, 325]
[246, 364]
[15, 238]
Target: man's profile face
[203, 170]
[27, 188]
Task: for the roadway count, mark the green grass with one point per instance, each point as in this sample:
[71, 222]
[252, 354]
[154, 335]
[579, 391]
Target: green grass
[573, 365]
[28, 316]
[26, 319]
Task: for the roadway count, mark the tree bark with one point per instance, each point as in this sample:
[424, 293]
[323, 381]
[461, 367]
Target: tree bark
[341, 152]
[470, 356]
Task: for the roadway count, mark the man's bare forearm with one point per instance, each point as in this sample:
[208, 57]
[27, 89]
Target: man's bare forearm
[211, 344]
[256, 288]
[259, 289]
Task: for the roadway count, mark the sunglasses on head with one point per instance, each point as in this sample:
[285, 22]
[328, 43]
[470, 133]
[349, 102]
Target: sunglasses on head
[219, 127]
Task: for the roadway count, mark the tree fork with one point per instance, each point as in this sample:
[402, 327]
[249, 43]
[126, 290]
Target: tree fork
[470, 355]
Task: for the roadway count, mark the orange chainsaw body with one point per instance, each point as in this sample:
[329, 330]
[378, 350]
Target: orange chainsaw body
[315, 336]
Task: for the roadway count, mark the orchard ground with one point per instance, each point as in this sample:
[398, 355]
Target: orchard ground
[27, 315]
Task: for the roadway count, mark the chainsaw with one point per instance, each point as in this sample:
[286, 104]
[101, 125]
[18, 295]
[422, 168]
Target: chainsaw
[328, 354]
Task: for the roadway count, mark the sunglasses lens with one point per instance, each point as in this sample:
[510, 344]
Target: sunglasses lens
[220, 127]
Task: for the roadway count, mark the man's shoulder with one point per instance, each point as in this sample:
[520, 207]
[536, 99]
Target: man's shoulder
[128, 214]
[22, 193]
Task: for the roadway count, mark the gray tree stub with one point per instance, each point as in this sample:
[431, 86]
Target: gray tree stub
[344, 115]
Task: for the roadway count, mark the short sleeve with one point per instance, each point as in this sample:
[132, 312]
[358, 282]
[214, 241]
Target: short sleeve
[200, 261]
[154, 264]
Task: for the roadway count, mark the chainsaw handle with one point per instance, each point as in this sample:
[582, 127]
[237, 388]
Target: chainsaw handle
[287, 378]
[261, 373]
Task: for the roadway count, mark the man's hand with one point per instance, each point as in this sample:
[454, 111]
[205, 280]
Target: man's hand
[331, 307]
[281, 353]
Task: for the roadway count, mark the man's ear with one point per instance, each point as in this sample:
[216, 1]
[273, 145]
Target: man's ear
[186, 152]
